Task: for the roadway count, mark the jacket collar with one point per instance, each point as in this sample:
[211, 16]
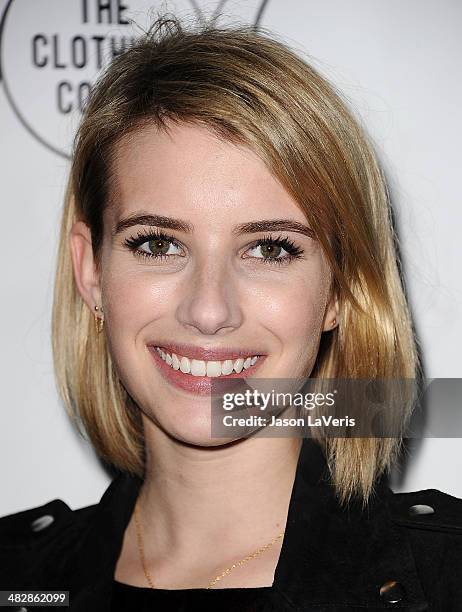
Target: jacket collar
[343, 556]
[330, 555]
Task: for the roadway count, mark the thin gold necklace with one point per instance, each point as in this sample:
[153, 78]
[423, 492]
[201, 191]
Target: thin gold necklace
[212, 583]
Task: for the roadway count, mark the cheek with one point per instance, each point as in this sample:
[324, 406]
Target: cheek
[130, 304]
[295, 311]
[133, 299]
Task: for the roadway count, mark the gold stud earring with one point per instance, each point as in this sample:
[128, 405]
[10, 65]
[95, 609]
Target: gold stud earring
[334, 322]
[99, 321]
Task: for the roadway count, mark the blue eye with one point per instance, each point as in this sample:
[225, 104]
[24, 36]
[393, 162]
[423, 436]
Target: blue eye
[159, 247]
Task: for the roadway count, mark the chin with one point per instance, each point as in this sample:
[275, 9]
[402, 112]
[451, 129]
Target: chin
[190, 429]
[197, 436]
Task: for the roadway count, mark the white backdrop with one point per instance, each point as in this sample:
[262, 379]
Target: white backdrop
[398, 63]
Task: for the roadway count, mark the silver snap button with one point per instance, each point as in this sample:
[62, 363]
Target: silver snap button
[42, 522]
[392, 591]
[421, 509]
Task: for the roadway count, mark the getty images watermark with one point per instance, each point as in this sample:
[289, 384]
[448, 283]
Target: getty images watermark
[354, 408]
[263, 401]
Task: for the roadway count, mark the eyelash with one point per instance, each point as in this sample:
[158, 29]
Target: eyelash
[294, 252]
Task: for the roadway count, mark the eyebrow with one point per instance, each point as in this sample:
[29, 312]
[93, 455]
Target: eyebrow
[251, 227]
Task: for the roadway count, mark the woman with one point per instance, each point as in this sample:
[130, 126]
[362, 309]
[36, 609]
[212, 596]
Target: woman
[226, 216]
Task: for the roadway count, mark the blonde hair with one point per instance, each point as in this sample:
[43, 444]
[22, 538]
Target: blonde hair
[248, 88]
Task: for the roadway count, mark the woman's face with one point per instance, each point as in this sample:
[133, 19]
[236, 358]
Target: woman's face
[211, 286]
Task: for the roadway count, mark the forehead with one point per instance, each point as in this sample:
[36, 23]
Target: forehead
[190, 170]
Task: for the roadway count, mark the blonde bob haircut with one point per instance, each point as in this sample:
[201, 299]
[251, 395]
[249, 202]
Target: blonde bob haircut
[248, 88]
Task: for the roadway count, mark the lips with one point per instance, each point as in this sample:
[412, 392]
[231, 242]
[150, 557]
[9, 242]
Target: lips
[206, 353]
[199, 385]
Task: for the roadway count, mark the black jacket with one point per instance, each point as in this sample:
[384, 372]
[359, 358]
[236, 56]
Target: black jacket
[404, 552]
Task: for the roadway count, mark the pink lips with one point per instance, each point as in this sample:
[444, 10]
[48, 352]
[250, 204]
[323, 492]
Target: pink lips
[206, 354]
[200, 385]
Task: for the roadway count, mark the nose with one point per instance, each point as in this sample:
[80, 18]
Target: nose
[210, 301]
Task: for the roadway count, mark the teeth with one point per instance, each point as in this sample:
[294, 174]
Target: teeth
[213, 369]
[185, 365]
[239, 365]
[175, 362]
[197, 368]
[228, 365]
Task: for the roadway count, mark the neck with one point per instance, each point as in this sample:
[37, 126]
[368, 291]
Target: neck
[237, 494]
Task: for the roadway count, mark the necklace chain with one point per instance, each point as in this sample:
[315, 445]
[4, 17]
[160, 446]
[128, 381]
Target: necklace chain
[212, 583]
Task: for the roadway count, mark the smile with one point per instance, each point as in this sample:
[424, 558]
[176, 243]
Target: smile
[196, 376]
[212, 369]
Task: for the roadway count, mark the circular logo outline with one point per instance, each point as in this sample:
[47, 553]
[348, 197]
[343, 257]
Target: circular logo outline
[9, 95]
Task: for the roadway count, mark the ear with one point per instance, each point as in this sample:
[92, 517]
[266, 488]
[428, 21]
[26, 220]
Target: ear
[85, 273]
[331, 315]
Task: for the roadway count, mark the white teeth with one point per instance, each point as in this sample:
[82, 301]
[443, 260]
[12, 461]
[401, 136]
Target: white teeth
[213, 369]
[238, 365]
[175, 362]
[185, 365]
[227, 366]
[198, 368]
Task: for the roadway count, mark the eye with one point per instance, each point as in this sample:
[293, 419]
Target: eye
[159, 246]
[156, 245]
[277, 251]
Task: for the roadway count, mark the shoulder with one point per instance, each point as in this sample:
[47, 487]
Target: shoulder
[39, 538]
[27, 526]
[432, 522]
[427, 510]
[50, 546]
